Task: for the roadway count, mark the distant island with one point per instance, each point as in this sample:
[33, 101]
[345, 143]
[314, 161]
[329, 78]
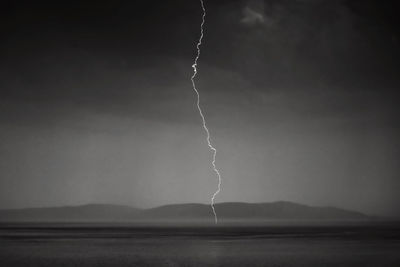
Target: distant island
[192, 212]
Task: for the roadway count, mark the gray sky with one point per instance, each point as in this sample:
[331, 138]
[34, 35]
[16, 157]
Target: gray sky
[300, 98]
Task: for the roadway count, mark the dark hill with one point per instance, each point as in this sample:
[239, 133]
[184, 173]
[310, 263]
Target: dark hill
[83, 213]
[240, 211]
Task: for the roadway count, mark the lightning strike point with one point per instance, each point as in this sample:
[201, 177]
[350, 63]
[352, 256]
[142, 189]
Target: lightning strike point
[210, 146]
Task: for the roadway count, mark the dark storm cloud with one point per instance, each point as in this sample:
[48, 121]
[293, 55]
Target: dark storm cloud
[327, 58]
[107, 57]
[119, 54]
[340, 42]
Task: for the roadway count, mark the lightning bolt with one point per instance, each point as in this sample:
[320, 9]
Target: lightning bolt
[210, 146]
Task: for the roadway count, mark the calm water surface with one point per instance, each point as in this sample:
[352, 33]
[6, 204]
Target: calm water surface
[127, 245]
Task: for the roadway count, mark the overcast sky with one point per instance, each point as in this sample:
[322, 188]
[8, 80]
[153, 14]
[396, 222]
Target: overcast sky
[301, 98]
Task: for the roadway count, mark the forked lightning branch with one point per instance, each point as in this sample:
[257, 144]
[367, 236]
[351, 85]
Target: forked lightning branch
[210, 146]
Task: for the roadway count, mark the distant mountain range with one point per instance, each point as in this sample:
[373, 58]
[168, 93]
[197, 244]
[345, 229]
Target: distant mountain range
[229, 211]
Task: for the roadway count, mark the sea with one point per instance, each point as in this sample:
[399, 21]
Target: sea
[107, 244]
